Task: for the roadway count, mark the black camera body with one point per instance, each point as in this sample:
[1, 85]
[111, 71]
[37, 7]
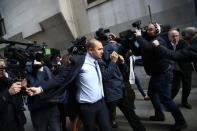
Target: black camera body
[78, 46]
[101, 34]
[20, 58]
[17, 57]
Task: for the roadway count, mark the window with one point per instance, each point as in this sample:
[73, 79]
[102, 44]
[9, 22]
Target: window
[92, 3]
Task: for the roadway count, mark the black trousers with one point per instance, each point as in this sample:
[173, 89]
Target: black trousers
[184, 77]
[46, 118]
[128, 111]
[159, 91]
[95, 113]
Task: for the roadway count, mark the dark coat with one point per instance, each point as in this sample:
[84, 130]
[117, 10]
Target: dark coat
[186, 54]
[12, 118]
[57, 87]
[113, 82]
[153, 64]
[185, 67]
[37, 102]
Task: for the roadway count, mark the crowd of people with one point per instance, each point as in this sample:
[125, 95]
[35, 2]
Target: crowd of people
[88, 88]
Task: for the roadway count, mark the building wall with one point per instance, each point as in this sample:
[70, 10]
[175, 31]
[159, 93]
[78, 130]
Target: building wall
[25, 15]
[55, 33]
[66, 8]
[49, 21]
[118, 14]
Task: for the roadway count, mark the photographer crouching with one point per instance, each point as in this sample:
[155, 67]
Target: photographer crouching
[12, 117]
[159, 69]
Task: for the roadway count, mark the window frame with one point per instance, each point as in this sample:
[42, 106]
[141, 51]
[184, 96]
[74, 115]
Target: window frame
[95, 3]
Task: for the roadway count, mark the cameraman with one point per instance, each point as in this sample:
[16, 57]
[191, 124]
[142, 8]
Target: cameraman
[12, 117]
[161, 77]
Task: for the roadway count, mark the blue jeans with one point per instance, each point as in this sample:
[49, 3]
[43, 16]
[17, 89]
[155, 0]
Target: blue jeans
[159, 92]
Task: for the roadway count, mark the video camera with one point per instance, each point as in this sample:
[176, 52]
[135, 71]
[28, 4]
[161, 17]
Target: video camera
[20, 58]
[101, 34]
[78, 46]
[129, 34]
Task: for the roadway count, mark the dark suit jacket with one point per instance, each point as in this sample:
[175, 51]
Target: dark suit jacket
[186, 54]
[56, 87]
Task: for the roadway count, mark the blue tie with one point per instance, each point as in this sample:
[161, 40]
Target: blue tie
[99, 76]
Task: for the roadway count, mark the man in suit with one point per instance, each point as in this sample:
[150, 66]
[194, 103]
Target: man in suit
[187, 54]
[85, 73]
[182, 71]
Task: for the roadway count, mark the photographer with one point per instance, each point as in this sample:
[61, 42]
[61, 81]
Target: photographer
[12, 117]
[161, 77]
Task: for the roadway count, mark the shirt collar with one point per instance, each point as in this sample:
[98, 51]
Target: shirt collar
[89, 58]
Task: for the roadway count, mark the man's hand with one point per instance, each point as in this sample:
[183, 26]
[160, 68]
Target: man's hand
[156, 43]
[15, 88]
[114, 56]
[138, 33]
[24, 83]
[32, 91]
[121, 59]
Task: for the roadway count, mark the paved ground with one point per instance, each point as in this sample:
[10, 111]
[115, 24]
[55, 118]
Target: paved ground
[144, 109]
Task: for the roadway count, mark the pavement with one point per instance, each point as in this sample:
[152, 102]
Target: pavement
[144, 109]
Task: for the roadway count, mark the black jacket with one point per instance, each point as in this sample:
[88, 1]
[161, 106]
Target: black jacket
[153, 64]
[12, 117]
[113, 82]
[186, 54]
[184, 66]
[57, 86]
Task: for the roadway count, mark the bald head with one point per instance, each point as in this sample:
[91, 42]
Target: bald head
[91, 43]
[94, 48]
[189, 32]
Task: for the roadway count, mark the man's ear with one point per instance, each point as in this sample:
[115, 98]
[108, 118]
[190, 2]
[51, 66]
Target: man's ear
[90, 50]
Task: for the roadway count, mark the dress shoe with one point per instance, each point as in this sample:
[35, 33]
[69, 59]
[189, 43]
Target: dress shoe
[146, 98]
[186, 105]
[178, 127]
